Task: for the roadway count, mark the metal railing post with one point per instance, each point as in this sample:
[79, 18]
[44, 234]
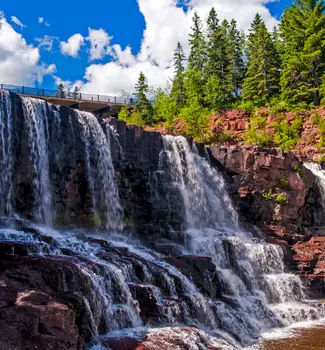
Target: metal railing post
[22, 90]
[2, 86]
[115, 99]
[98, 98]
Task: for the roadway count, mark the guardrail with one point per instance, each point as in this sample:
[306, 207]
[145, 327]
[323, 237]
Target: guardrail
[75, 95]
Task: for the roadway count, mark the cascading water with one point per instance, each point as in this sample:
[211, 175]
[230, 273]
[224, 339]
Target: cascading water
[105, 199]
[319, 173]
[254, 292]
[36, 125]
[6, 156]
[251, 271]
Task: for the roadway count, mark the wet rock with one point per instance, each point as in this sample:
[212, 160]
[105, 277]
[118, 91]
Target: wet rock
[168, 338]
[201, 270]
[43, 303]
[148, 301]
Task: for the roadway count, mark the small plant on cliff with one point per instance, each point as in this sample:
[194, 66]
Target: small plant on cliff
[288, 135]
[298, 170]
[281, 199]
[268, 195]
[320, 122]
[256, 134]
[284, 182]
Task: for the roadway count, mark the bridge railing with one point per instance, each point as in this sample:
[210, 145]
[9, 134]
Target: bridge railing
[75, 95]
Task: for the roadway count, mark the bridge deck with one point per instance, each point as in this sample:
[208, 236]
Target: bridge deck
[102, 108]
[98, 104]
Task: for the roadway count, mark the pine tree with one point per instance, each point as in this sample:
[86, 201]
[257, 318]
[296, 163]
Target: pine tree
[60, 91]
[303, 32]
[253, 30]
[197, 57]
[178, 92]
[218, 69]
[75, 93]
[323, 90]
[236, 54]
[142, 102]
[262, 76]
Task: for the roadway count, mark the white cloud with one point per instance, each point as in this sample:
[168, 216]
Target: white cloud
[41, 20]
[165, 25]
[99, 43]
[46, 42]
[73, 45]
[15, 20]
[19, 62]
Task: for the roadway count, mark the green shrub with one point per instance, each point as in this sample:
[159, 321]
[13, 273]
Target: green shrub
[288, 135]
[164, 108]
[281, 199]
[298, 170]
[131, 116]
[196, 119]
[283, 182]
[268, 195]
[255, 134]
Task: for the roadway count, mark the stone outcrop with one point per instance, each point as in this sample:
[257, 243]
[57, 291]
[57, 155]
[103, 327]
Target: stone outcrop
[176, 338]
[42, 299]
[272, 189]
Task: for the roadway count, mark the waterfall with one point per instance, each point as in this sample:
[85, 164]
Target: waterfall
[253, 290]
[107, 210]
[319, 173]
[36, 125]
[251, 271]
[6, 156]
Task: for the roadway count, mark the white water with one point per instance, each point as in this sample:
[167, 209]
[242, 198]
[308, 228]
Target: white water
[257, 293]
[6, 157]
[252, 272]
[105, 198]
[36, 129]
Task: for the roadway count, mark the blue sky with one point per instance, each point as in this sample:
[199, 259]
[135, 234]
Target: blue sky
[123, 25]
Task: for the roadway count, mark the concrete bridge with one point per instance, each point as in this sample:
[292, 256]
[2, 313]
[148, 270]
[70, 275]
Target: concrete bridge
[101, 105]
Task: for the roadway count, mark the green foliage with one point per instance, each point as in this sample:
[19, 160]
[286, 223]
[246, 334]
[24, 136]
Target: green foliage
[303, 32]
[197, 58]
[298, 170]
[213, 93]
[322, 92]
[268, 195]
[321, 159]
[178, 92]
[288, 135]
[284, 69]
[255, 134]
[284, 182]
[131, 116]
[262, 76]
[320, 122]
[196, 119]
[144, 107]
[219, 65]
[164, 108]
[281, 199]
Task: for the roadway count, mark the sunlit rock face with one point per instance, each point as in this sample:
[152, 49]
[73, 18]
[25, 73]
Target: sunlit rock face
[114, 237]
